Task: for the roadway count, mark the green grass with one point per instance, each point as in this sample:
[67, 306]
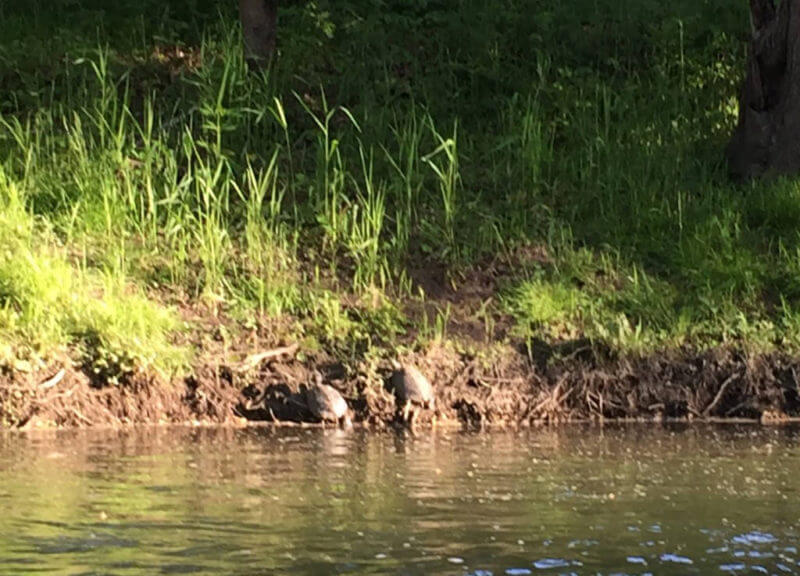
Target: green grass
[51, 299]
[388, 138]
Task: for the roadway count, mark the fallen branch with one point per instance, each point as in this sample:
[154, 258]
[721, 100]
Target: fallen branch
[718, 397]
[485, 380]
[254, 360]
[81, 416]
[553, 401]
[47, 384]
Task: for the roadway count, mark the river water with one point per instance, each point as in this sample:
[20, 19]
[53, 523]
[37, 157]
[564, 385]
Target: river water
[635, 500]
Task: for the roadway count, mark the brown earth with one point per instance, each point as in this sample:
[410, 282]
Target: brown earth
[504, 388]
[244, 376]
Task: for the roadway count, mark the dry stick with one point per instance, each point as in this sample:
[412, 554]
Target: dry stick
[563, 399]
[589, 401]
[536, 409]
[552, 398]
[554, 393]
[574, 353]
[255, 359]
[612, 403]
[485, 379]
[81, 416]
[694, 412]
[596, 398]
[565, 395]
[718, 397]
[47, 384]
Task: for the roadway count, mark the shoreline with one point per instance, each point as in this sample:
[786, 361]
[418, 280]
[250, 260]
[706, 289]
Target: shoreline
[541, 237]
[446, 426]
[507, 391]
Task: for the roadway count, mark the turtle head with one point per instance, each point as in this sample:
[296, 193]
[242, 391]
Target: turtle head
[346, 421]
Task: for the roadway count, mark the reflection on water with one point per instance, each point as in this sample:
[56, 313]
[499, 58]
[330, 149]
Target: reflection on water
[570, 501]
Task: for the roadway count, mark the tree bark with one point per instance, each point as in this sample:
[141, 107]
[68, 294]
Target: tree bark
[259, 27]
[766, 141]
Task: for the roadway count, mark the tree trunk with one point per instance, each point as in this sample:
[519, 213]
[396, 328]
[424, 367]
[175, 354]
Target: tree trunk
[767, 138]
[259, 23]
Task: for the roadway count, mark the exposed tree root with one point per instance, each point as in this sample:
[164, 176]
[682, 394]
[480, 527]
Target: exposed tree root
[509, 390]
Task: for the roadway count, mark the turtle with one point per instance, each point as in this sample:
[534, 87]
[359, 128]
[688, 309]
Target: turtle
[412, 391]
[326, 403]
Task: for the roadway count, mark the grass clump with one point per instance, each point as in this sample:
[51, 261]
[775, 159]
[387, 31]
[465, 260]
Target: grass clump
[48, 304]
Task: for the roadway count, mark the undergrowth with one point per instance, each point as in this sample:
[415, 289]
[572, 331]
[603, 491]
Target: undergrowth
[138, 150]
[50, 301]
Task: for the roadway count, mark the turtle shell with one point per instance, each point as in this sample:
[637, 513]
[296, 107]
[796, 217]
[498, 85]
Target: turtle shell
[411, 386]
[325, 402]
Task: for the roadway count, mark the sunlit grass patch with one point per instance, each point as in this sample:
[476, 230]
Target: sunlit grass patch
[49, 303]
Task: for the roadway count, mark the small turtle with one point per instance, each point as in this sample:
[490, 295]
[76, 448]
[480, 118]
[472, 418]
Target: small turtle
[412, 391]
[326, 403]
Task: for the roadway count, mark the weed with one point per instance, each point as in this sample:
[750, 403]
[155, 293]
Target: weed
[358, 160]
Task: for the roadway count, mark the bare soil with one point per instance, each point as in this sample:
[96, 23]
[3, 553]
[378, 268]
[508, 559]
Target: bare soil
[502, 388]
[257, 375]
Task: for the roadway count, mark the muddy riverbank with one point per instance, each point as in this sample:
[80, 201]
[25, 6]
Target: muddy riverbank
[507, 389]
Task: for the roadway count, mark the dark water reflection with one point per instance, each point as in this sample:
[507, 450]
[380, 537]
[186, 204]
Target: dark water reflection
[570, 501]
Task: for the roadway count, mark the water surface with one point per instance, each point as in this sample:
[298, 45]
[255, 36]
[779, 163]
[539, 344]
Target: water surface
[570, 501]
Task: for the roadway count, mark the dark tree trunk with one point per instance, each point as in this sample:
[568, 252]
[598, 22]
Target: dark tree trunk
[767, 138]
[259, 26]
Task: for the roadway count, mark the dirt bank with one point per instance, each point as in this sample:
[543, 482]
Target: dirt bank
[507, 388]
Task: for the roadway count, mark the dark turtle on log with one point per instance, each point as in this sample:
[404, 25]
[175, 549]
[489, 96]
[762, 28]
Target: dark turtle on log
[413, 391]
[326, 403]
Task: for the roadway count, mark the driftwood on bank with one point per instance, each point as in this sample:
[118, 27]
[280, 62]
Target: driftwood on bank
[254, 360]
